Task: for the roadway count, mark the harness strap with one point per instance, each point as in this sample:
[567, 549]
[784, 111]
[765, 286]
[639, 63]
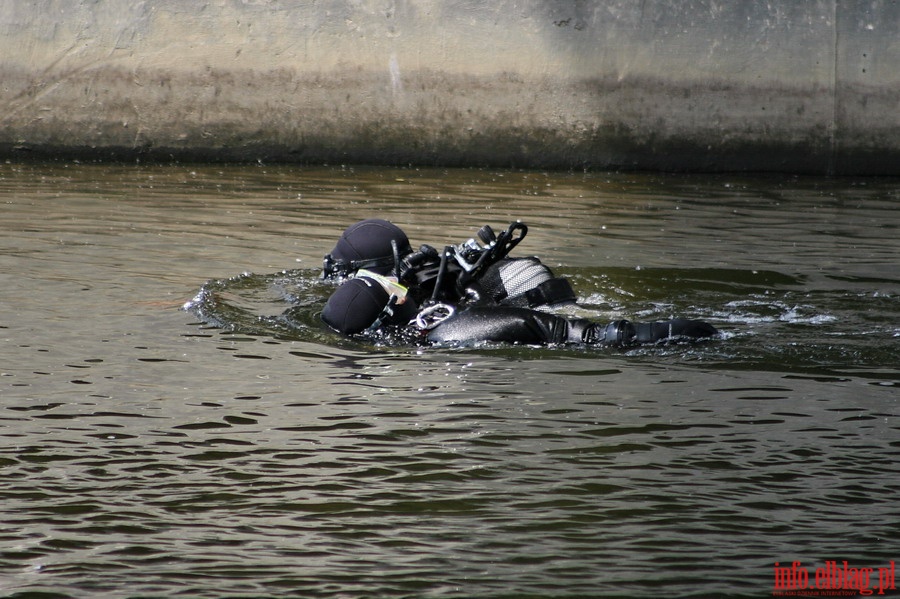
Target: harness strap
[330, 266]
[552, 291]
[386, 313]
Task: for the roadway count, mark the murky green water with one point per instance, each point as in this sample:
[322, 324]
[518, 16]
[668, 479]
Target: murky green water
[144, 452]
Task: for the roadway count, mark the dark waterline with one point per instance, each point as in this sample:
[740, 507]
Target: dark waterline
[146, 452]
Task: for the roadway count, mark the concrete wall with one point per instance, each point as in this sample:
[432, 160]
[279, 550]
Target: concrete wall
[811, 86]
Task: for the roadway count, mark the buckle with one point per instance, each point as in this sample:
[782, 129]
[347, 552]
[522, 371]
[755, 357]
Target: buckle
[433, 315]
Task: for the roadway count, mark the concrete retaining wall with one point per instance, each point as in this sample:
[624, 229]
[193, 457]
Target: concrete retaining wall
[810, 86]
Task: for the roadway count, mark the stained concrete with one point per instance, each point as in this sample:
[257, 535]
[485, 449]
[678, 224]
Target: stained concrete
[809, 86]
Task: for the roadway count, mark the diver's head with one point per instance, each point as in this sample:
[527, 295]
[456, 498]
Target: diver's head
[374, 244]
[361, 302]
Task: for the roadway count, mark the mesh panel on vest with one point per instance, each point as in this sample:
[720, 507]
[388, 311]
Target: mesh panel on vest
[512, 277]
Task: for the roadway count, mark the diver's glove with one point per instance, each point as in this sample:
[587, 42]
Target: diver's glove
[624, 332]
[677, 328]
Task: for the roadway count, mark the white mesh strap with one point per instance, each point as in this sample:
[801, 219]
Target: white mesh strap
[520, 276]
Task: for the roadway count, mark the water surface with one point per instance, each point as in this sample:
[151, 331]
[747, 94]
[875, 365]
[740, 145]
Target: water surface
[240, 449]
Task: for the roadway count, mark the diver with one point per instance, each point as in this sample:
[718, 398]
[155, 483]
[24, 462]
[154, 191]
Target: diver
[465, 294]
[468, 272]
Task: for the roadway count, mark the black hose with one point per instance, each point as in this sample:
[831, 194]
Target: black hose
[442, 269]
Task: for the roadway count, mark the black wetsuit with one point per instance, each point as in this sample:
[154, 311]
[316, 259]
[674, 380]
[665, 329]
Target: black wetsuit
[496, 298]
[509, 293]
[507, 324]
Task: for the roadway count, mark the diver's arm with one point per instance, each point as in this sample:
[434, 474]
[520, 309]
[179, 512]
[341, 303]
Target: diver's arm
[502, 324]
[506, 324]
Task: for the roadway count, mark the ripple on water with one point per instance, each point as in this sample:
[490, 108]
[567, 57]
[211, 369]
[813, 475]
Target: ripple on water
[242, 450]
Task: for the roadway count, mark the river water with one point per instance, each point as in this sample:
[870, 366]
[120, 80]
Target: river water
[238, 449]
